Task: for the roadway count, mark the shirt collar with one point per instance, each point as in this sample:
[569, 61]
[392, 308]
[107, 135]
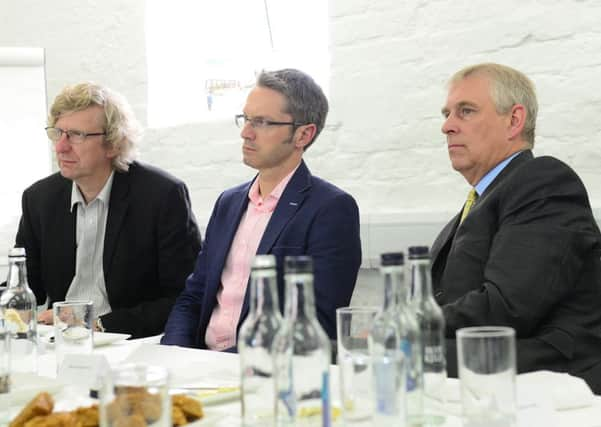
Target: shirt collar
[104, 195]
[487, 179]
[269, 203]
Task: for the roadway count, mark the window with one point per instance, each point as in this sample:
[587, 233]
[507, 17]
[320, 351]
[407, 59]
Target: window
[203, 56]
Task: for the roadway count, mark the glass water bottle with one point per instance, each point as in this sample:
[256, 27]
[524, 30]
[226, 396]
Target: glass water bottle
[302, 353]
[18, 308]
[255, 344]
[432, 328]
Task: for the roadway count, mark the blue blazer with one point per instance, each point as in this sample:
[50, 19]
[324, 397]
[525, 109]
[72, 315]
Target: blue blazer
[312, 218]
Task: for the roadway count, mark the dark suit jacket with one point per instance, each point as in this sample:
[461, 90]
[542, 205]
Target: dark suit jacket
[150, 245]
[527, 256]
[311, 218]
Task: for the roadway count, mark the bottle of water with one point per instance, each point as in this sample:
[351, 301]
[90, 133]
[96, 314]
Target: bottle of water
[410, 335]
[19, 315]
[302, 353]
[432, 328]
[255, 344]
[384, 341]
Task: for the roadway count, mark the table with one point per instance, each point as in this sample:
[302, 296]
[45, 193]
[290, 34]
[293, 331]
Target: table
[221, 369]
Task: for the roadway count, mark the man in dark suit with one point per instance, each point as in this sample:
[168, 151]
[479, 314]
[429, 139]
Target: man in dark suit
[106, 228]
[526, 254]
[283, 211]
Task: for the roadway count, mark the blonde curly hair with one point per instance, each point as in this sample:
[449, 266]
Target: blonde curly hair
[123, 131]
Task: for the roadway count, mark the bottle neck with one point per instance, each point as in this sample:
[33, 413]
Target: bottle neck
[421, 279]
[17, 273]
[393, 283]
[263, 293]
[300, 299]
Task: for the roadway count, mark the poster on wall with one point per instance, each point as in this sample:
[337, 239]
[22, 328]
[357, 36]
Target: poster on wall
[25, 149]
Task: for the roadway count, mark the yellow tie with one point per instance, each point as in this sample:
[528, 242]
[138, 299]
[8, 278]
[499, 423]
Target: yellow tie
[471, 198]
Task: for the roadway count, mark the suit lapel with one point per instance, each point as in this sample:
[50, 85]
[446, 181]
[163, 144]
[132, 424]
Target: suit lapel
[291, 200]
[440, 246]
[443, 238]
[118, 205]
[226, 230]
[239, 206]
[64, 239]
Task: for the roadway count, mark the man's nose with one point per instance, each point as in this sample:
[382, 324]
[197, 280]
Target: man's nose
[62, 144]
[247, 131]
[449, 126]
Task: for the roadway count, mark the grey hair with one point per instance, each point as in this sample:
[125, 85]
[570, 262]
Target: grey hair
[305, 100]
[508, 88]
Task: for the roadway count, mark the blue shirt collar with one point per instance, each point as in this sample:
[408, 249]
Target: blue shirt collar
[492, 174]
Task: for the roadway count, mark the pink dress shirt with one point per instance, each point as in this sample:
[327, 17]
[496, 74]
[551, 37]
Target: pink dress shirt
[221, 332]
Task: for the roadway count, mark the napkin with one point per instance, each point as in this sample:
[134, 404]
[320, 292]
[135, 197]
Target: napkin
[562, 390]
[25, 386]
[550, 390]
[190, 368]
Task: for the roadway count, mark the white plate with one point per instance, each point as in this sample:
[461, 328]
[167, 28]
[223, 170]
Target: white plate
[26, 386]
[45, 329]
[46, 333]
[105, 338]
[215, 397]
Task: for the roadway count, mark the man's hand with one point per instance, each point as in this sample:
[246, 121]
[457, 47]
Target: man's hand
[46, 317]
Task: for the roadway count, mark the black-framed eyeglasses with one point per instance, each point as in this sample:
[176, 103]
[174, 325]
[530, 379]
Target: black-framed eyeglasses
[74, 136]
[260, 122]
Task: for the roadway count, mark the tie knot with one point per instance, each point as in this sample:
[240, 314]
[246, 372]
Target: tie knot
[472, 195]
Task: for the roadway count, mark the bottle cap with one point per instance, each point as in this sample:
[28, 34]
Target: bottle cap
[392, 258]
[419, 252]
[298, 264]
[16, 252]
[261, 262]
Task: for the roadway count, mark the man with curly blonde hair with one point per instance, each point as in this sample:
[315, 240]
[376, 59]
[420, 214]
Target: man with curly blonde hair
[106, 228]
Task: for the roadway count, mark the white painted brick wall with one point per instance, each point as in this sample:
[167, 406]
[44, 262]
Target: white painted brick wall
[389, 63]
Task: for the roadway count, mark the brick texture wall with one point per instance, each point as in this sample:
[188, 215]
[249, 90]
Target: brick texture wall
[389, 63]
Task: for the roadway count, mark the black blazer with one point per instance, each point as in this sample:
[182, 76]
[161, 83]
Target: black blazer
[151, 242]
[527, 256]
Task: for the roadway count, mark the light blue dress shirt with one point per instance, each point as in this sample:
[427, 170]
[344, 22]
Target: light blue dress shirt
[487, 179]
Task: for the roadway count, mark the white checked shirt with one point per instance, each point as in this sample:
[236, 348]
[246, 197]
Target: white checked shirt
[88, 282]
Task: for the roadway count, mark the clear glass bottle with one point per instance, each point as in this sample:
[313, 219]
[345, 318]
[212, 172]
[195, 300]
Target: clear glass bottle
[255, 344]
[432, 328]
[388, 361]
[410, 335]
[303, 353]
[18, 308]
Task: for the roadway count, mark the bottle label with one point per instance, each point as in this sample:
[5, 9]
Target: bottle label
[433, 354]
[325, 400]
[385, 377]
[406, 349]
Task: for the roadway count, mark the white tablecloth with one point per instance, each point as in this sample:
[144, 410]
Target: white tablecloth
[212, 369]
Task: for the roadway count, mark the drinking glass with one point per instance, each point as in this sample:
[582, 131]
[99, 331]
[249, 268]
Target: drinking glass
[487, 369]
[135, 395]
[356, 381]
[73, 328]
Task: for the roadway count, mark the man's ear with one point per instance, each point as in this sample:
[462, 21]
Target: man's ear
[304, 135]
[111, 151]
[517, 120]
